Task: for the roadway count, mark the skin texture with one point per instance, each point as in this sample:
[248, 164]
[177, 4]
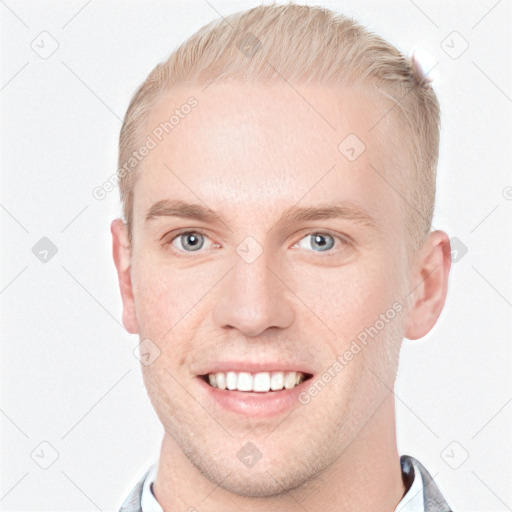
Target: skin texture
[249, 152]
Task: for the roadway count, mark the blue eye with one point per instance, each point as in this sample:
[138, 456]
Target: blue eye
[195, 241]
[192, 240]
[322, 241]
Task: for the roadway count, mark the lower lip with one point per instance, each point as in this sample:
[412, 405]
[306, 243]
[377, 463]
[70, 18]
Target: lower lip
[254, 404]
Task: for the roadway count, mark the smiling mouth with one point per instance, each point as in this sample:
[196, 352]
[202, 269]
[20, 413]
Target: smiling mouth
[260, 382]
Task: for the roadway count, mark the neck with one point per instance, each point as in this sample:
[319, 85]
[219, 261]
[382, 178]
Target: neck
[366, 477]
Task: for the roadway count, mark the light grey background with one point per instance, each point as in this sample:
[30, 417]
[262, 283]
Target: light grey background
[68, 374]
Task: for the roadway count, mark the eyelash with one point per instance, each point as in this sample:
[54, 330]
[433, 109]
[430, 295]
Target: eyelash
[328, 253]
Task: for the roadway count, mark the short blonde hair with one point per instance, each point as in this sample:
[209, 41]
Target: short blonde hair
[306, 45]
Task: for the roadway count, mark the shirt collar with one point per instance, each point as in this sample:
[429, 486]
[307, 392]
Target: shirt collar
[413, 498]
[411, 502]
[148, 501]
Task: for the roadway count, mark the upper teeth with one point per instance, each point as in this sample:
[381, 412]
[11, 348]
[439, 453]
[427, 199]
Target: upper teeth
[262, 381]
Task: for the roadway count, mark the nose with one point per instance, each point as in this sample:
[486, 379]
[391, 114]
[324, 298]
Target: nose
[253, 298]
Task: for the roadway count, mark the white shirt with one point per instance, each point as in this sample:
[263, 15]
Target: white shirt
[411, 502]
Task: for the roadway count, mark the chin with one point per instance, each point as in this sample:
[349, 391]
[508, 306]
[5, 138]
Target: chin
[265, 479]
[263, 483]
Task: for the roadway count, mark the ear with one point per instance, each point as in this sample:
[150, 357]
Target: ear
[121, 249]
[430, 285]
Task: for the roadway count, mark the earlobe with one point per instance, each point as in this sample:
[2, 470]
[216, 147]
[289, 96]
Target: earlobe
[121, 250]
[430, 285]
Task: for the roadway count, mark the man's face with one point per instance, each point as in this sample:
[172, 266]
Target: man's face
[255, 292]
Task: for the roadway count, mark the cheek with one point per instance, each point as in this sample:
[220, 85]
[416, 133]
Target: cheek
[170, 302]
[152, 304]
[156, 301]
[349, 298]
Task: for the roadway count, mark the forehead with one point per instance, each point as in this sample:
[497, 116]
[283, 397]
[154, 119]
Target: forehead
[247, 145]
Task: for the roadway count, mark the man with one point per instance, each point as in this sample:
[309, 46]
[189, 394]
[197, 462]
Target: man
[277, 174]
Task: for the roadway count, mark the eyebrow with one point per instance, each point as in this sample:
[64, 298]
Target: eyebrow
[294, 214]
